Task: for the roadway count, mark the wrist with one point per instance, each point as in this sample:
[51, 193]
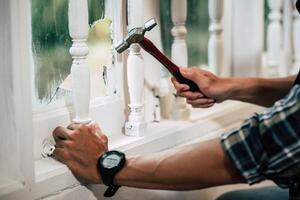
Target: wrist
[244, 89]
[109, 164]
[231, 88]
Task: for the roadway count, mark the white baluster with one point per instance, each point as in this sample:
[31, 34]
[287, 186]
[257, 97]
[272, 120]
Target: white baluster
[80, 74]
[296, 40]
[136, 125]
[215, 43]
[114, 11]
[179, 32]
[153, 68]
[179, 52]
[287, 61]
[274, 37]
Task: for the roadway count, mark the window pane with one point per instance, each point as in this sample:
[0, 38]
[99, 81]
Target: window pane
[197, 25]
[51, 43]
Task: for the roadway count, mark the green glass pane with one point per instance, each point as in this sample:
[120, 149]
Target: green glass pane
[197, 24]
[51, 43]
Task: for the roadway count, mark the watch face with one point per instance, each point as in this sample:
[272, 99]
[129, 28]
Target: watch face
[111, 161]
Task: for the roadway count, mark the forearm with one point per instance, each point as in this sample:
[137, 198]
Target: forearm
[196, 166]
[260, 91]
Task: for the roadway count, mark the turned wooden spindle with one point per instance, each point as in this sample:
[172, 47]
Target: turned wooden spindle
[80, 73]
[274, 37]
[215, 43]
[179, 52]
[153, 69]
[287, 21]
[136, 125]
[296, 40]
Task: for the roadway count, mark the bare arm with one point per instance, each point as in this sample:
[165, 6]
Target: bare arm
[260, 91]
[192, 167]
[196, 166]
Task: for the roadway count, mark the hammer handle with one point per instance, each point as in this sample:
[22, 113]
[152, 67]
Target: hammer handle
[148, 46]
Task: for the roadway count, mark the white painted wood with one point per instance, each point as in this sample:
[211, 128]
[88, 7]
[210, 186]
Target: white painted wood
[212, 122]
[51, 179]
[135, 13]
[247, 37]
[287, 61]
[274, 37]
[215, 44]
[153, 68]
[136, 125]
[179, 52]
[22, 57]
[45, 122]
[80, 74]
[113, 11]
[296, 40]
[227, 38]
[160, 136]
[16, 162]
[8, 160]
[179, 32]
[47, 118]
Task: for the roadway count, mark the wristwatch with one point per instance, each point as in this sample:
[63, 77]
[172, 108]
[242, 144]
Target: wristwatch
[109, 164]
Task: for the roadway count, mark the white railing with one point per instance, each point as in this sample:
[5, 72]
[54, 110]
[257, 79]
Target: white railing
[283, 43]
[287, 21]
[179, 52]
[136, 125]
[274, 37]
[296, 39]
[215, 44]
[80, 73]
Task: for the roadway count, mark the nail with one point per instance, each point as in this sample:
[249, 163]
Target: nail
[186, 87]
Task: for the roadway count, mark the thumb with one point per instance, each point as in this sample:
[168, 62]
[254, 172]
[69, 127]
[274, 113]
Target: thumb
[189, 73]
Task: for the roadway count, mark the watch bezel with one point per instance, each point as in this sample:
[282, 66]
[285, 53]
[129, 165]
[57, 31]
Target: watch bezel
[107, 174]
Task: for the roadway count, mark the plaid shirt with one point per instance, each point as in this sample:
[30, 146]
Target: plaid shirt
[267, 145]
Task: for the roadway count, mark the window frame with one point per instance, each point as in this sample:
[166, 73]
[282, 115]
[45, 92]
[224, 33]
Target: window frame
[46, 118]
[37, 175]
[21, 94]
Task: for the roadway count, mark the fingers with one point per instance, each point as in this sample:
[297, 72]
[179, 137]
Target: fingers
[178, 86]
[61, 133]
[189, 73]
[73, 126]
[190, 95]
[63, 144]
[201, 103]
[94, 128]
[61, 155]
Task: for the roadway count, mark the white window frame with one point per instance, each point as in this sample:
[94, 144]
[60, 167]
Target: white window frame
[37, 175]
[46, 118]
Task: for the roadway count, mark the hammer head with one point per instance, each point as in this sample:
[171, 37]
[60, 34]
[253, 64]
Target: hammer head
[135, 35]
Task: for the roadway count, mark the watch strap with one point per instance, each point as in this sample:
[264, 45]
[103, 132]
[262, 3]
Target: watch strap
[108, 178]
[111, 190]
[108, 175]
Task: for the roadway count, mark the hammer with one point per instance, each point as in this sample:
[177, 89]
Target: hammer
[136, 35]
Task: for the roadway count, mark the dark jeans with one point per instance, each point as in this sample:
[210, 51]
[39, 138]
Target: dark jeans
[265, 193]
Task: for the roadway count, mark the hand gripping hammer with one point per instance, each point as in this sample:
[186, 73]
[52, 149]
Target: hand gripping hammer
[136, 35]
